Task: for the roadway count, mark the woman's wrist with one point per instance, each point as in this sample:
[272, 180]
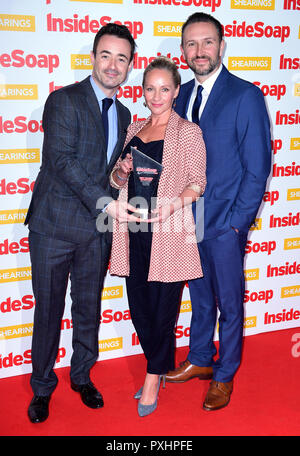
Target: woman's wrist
[123, 179]
[176, 204]
[120, 176]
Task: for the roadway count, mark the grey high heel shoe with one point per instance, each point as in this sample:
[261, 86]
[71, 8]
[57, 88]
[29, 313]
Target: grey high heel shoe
[138, 394]
[144, 410]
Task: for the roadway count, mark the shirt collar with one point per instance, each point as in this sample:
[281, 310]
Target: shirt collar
[209, 82]
[98, 92]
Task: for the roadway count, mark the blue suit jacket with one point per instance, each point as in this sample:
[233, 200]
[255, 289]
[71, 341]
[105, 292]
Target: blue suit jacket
[74, 171]
[236, 131]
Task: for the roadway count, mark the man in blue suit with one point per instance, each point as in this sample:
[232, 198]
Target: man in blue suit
[84, 131]
[233, 117]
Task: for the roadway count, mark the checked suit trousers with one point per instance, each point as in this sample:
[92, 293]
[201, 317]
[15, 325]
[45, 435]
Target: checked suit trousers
[53, 262]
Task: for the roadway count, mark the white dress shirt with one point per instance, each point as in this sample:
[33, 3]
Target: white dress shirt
[207, 88]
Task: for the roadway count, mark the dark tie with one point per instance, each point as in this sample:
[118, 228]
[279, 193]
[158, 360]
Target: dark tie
[106, 104]
[196, 105]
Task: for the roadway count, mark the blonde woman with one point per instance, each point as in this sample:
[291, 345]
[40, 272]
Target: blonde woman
[163, 253]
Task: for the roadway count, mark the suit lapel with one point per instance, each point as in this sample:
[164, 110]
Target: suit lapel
[93, 106]
[215, 96]
[94, 109]
[184, 98]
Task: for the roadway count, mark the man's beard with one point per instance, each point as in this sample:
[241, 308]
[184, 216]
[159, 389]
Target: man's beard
[213, 64]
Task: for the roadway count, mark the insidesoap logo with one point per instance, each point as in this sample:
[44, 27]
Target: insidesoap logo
[21, 186]
[81, 62]
[161, 28]
[15, 156]
[250, 63]
[111, 344]
[18, 59]
[15, 274]
[88, 24]
[98, 1]
[18, 91]
[281, 316]
[291, 4]
[8, 247]
[17, 23]
[12, 216]
[10, 305]
[256, 30]
[13, 332]
[253, 4]
[213, 4]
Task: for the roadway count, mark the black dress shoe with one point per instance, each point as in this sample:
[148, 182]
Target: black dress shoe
[89, 395]
[38, 410]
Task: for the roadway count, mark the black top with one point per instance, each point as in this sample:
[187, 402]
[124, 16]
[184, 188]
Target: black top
[152, 149]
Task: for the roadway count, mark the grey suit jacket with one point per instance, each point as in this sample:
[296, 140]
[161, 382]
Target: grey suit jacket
[74, 173]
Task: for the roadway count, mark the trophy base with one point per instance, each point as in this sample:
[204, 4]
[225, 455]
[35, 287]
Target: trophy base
[142, 214]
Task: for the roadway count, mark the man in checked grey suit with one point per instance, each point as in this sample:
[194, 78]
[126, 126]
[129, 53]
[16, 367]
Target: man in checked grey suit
[78, 156]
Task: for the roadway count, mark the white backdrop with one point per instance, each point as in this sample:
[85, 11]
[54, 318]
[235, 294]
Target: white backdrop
[45, 44]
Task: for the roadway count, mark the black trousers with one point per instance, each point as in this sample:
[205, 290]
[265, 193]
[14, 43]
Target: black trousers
[53, 262]
[153, 306]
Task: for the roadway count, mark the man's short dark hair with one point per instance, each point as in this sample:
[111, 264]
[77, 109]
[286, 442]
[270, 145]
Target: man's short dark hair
[120, 31]
[203, 17]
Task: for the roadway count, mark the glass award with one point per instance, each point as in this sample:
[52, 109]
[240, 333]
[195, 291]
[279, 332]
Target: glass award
[146, 173]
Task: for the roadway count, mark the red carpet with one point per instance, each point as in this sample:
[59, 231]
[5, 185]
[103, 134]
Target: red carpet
[265, 400]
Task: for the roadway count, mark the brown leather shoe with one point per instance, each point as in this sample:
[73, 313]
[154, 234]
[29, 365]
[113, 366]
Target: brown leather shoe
[187, 371]
[218, 395]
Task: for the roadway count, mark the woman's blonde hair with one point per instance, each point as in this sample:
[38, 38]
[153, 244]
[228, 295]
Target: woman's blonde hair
[163, 63]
